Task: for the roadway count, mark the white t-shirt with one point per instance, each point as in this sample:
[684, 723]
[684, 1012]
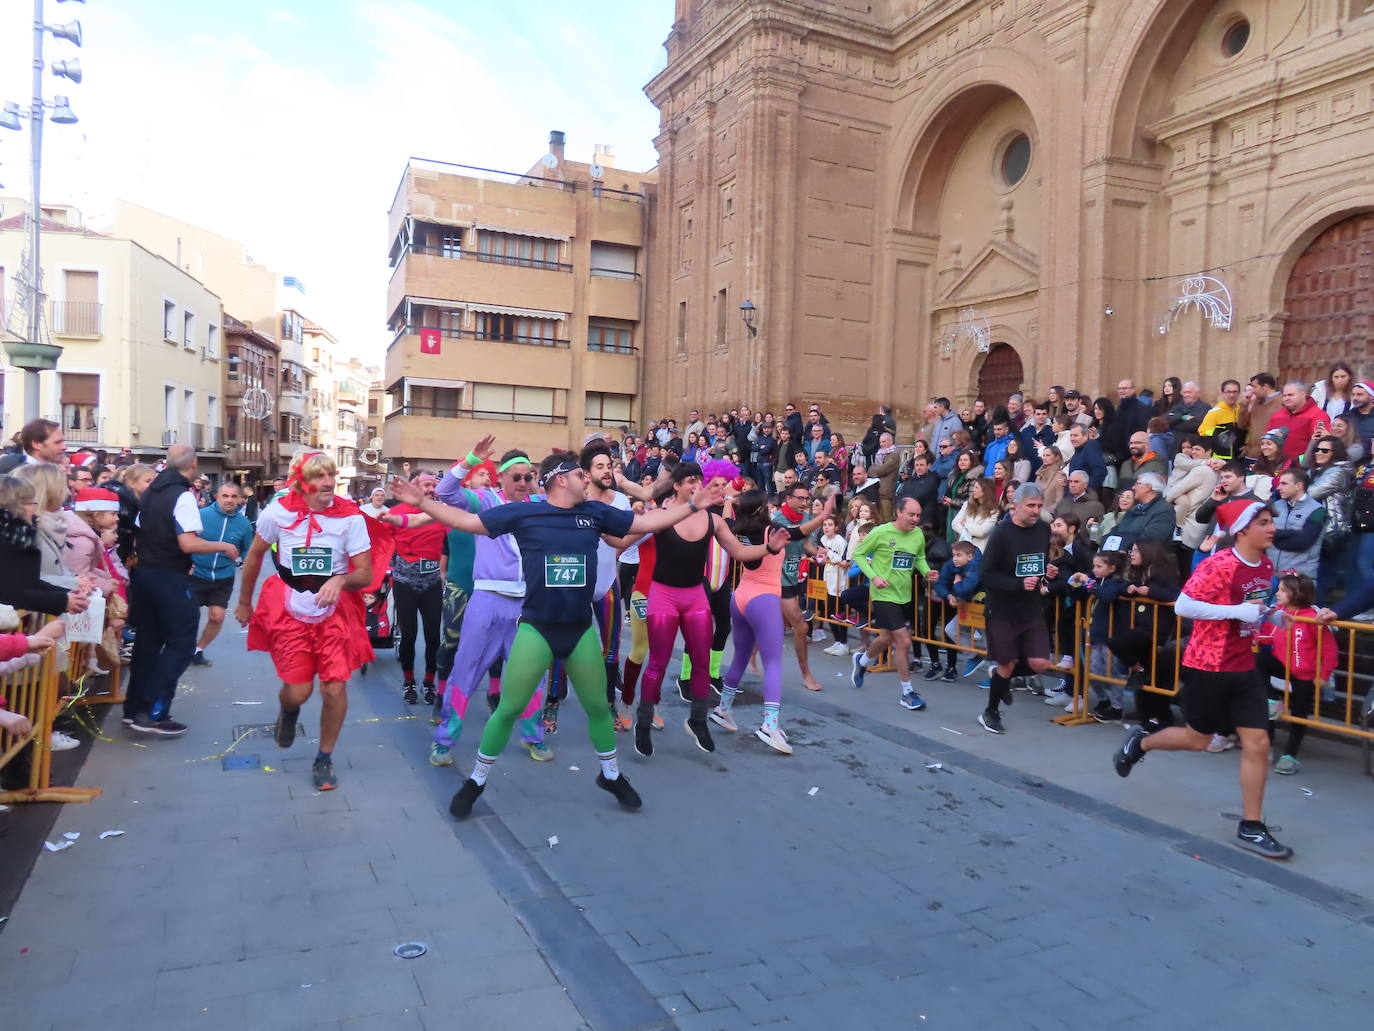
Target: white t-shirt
[185, 512]
[607, 564]
[330, 548]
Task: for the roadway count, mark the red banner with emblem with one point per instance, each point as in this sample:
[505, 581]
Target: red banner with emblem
[429, 341]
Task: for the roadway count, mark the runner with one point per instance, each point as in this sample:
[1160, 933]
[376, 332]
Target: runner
[719, 582]
[639, 628]
[460, 549]
[309, 616]
[790, 515]
[417, 586]
[677, 600]
[756, 612]
[887, 556]
[212, 575]
[493, 611]
[1015, 560]
[1227, 599]
[557, 540]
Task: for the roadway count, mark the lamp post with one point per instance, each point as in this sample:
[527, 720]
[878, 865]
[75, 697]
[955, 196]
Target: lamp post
[32, 352]
[747, 312]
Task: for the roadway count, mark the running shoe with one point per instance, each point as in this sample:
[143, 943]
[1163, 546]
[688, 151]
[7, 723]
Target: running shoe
[1107, 714]
[429, 694]
[412, 696]
[911, 700]
[323, 774]
[621, 722]
[818, 634]
[1130, 751]
[627, 796]
[700, 733]
[723, 718]
[859, 671]
[950, 675]
[461, 806]
[717, 685]
[774, 738]
[986, 682]
[493, 700]
[285, 731]
[1058, 695]
[1065, 662]
[658, 720]
[551, 717]
[1257, 838]
[1034, 686]
[1221, 743]
[971, 667]
[935, 672]
[1287, 766]
[837, 649]
[158, 727]
[440, 755]
[199, 659]
[539, 752]
[644, 741]
[991, 722]
[61, 742]
[684, 690]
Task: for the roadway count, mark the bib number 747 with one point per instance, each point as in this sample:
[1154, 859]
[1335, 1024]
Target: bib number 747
[565, 571]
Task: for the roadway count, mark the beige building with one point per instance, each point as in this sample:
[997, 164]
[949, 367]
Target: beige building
[353, 383]
[959, 198]
[517, 305]
[142, 360]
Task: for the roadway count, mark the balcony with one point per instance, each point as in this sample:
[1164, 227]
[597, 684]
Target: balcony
[473, 334]
[441, 412]
[76, 318]
[489, 279]
[481, 360]
[93, 432]
[428, 434]
[614, 298]
[245, 454]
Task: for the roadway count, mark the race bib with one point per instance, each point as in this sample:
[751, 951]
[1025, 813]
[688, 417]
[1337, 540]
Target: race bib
[427, 565]
[312, 562]
[790, 566]
[1031, 565]
[641, 607]
[902, 560]
[1112, 543]
[565, 571]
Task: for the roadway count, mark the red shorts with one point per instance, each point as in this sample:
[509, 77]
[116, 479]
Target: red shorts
[331, 649]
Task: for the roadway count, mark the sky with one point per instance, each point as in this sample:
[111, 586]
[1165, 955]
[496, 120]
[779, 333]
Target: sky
[286, 126]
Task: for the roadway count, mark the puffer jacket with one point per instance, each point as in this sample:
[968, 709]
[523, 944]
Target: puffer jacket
[1332, 488]
[84, 554]
[1190, 484]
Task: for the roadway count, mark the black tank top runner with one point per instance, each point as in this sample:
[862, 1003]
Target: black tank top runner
[681, 563]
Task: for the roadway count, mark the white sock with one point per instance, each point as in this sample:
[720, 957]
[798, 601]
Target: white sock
[906, 687]
[864, 660]
[482, 767]
[610, 769]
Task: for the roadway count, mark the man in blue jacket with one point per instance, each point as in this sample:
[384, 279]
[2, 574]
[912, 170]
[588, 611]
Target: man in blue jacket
[1087, 456]
[212, 575]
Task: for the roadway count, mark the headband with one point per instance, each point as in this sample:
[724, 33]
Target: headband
[561, 469]
[517, 460]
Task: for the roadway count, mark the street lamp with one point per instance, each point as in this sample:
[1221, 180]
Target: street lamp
[747, 312]
[32, 352]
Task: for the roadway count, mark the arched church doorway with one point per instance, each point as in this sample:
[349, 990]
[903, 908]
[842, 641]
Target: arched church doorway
[1000, 375]
[1330, 303]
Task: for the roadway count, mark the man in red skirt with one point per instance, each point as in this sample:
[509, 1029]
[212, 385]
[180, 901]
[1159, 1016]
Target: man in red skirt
[309, 616]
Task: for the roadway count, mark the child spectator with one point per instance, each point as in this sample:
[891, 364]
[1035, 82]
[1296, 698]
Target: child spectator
[1289, 652]
[1137, 641]
[833, 549]
[1106, 588]
[958, 583]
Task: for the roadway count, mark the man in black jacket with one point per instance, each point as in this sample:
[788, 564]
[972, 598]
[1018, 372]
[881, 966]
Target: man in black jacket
[1132, 416]
[924, 486]
[160, 602]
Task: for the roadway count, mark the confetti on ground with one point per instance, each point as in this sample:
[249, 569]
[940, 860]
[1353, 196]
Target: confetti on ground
[72, 835]
[56, 846]
[575, 769]
[110, 834]
[248, 703]
[936, 767]
[1306, 791]
[553, 841]
[813, 791]
[959, 732]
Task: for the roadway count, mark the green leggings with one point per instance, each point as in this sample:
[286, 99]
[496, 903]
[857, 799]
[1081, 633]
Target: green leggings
[528, 663]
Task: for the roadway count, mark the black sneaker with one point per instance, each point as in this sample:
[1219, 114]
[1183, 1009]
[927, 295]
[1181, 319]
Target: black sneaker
[644, 740]
[684, 690]
[461, 806]
[1106, 713]
[286, 728]
[627, 796]
[158, 728]
[429, 694]
[1130, 752]
[1035, 687]
[1256, 838]
[991, 722]
[412, 696]
[493, 701]
[323, 774]
[950, 675]
[717, 685]
[933, 673]
[700, 733]
[199, 659]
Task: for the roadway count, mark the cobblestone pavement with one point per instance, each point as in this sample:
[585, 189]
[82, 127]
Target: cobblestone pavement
[991, 892]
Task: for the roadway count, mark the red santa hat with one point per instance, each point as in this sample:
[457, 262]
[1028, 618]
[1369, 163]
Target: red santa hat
[1235, 516]
[83, 459]
[96, 499]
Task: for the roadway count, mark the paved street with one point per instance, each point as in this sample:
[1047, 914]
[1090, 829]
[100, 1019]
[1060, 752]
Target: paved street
[1012, 887]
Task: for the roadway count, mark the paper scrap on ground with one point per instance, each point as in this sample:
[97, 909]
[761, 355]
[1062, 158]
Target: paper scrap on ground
[56, 846]
[553, 841]
[110, 834]
[959, 732]
[935, 766]
[248, 703]
[72, 835]
[1305, 791]
[575, 769]
[813, 791]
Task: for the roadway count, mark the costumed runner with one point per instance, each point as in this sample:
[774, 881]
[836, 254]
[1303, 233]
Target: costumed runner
[557, 539]
[792, 513]
[309, 615]
[677, 600]
[639, 627]
[494, 609]
[460, 550]
[756, 611]
[417, 587]
[718, 579]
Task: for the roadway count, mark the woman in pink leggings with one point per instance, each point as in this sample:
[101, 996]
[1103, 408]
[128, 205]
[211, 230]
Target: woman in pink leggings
[677, 601]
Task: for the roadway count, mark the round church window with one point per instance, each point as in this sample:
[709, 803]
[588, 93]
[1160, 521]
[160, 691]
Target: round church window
[1234, 39]
[1016, 159]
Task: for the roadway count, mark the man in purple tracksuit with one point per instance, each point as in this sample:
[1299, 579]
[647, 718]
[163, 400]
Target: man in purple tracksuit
[493, 612]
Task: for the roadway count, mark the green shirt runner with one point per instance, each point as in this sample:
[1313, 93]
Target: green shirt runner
[891, 554]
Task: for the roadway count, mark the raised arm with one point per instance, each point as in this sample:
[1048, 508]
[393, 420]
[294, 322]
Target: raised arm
[812, 525]
[450, 489]
[775, 540]
[662, 518]
[455, 518]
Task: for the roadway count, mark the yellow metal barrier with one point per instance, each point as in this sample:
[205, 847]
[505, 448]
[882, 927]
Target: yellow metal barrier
[1353, 717]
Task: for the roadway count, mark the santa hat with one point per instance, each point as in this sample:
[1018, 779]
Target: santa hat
[1235, 516]
[83, 459]
[1366, 386]
[96, 499]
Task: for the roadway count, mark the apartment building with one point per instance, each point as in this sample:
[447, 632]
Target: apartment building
[319, 347]
[251, 372]
[353, 387]
[142, 360]
[516, 304]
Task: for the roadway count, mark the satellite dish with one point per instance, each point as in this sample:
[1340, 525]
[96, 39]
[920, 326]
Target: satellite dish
[549, 161]
[597, 171]
[375, 443]
[256, 404]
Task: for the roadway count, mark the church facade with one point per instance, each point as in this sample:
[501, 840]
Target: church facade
[965, 197]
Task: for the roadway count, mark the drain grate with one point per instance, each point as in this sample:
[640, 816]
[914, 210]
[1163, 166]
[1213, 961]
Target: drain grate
[241, 762]
[265, 731]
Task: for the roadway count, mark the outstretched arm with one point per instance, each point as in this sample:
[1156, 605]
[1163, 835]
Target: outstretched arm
[775, 540]
[812, 525]
[452, 517]
[662, 518]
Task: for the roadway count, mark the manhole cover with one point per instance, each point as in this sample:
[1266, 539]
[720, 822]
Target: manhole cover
[267, 731]
[242, 762]
[410, 950]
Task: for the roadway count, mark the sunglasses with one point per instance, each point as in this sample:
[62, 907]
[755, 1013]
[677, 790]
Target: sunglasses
[1324, 450]
[522, 477]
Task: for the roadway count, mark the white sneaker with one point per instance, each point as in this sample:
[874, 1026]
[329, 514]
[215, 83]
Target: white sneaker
[1221, 743]
[723, 718]
[774, 738]
[63, 742]
[837, 649]
[1065, 662]
[818, 635]
[1059, 698]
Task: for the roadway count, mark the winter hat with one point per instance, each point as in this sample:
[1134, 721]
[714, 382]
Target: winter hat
[1366, 386]
[83, 460]
[96, 499]
[1278, 435]
[1235, 516]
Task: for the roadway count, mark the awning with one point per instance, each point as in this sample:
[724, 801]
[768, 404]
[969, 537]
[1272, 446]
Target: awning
[439, 302]
[458, 223]
[521, 232]
[524, 313]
